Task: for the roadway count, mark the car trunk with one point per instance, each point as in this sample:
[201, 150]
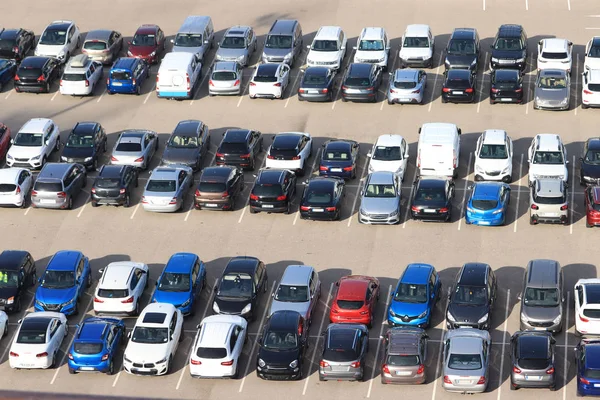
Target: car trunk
[29, 75]
[437, 158]
[107, 188]
[120, 78]
[172, 80]
[49, 192]
[71, 81]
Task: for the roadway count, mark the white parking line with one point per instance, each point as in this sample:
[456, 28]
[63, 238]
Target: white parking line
[487, 55]
[28, 208]
[244, 92]
[8, 95]
[569, 4]
[437, 74]
[55, 94]
[135, 210]
[387, 304]
[412, 188]
[84, 205]
[576, 79]
[202, 82]
[572, 197]
[439, 357]
[462, 208]
[293, 86]
[148, 96]
[518, 194]
[566, 357]
[360, 184]
[501, 377]
[117, 378]
[527, 5]
[101, 96]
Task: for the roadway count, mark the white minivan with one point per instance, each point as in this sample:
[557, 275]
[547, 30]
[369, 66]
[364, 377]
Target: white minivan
[439, 150]
[178, 75]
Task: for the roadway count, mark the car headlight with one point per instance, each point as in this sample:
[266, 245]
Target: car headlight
[261, 363]
[241, 58]
[446, 62]
[537, 99]
[68, 303]
[219, 57]
[422, 315]
[382, 59]
[61, 55]
[162, 361]
[264, 55]
[362, 212]
[524, 318]
[587, 178]
[470, 209]
[63, 158]
[483, 319]
[394, 213]
[9, 157]
[561, 177]
[497, 211]
[494, 59]
[294, 364]
[505, 170]
[87, 159]
[473, 62]
[216, 308]
[186, 303]
[557, 319]
[565, 101]
[10, 300]
[129, 53]
[587, 67]
[392, 313]
[479, 169]
[287, 57]
[247, 309]
[154, 300]
[152, 54]
[520, 60]
[371, 169]
[39, 303]
[450, 317]
[126, 359]
[35, 158]
[399, 171]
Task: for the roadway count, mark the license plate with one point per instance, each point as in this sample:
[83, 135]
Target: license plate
[336, 170]
[484, 222]
[596, 384]
[505, 99]
[403, 373]
[267, 206]
[27, 365]
[404, 100]
[539, 329]
[117, 84]
[313, 91]
[462, 381]
[47, 201]
[318, 210]
[533, 378]
[459, 92]
[352, 91]
[429, 211]
[550, 215]
[87, 368]
[506, 61]
[210, 205]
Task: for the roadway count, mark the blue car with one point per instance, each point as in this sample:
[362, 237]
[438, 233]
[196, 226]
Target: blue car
[95, 345]
[587, 358]
[339, 159]
[180, 282]
[415, 296]
[8, 68]
[127, 75]
[63, 283]
[488, 203]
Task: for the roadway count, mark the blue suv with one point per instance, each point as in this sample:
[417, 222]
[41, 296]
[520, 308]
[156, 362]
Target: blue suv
[127, 75]
[95, 345]
[181, 282]
[415, 296]
[488, 203]
[64, 281]
[587, 358]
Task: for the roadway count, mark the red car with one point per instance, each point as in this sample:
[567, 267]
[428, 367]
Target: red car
[592, 206]
[148, 43]
[355, 300]
[4, 140]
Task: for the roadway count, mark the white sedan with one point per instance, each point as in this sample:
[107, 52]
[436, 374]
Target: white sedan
[15, 184]
[289, 150]
[269, 81]
[38, 340]
[587, 306]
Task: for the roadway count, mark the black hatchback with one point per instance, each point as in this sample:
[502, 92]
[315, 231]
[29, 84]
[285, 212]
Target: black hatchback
[84, 145]
[16, 43]
[361, 82]
[188, 145]
[459, 86]
[36, 74]
[589, 162]
[114, 185]
[506, 87]
[432, 199]
[240, 148]
[17, 273]
[322, 199]
[273, 191]
[317, 84]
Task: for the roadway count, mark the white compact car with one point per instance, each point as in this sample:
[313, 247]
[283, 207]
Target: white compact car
[59, 40]
[373, 47]
[33, 144]
[555, 54]
[407, 86]
[120, 288]
[153, 342]
[269, 81]
[418, 46]
[328, 48]
[493, 156]
[3, 324]
[547, 158]
[592, 54]
[15, 184]
[587, 306]
[81, 76]
[289, 150]
[590, 91]
[218, 347]
[390, 153]
[37, 341]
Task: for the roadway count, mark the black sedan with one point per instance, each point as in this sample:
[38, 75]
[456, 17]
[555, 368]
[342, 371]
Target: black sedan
[114, 185]
[339, 159]
[432, 199]
[16, 43]
[459, 86]
[361, 82]
[18, 268]
[84, 145]
[36, 74]
[322, 199]
[589, 162]
[240, 148]
[187, 145]
[507, 86]
[273, 191]
[317, 84]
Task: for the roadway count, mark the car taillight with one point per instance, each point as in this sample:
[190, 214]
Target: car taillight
[564, 207]
[113, 158]
[583, 319]
[534, 207]
[245, 156]
[40, 355]
[516, 370]
[41, 79]
[581, 379]
[70, 356]
[61, 195]
[518, 90]
[197, 193]
[355, 364]
[495, 90]
[419, 159]
[304, 208]
[61, 82]
[584, 91]
[144, 201]
[550, 371]
[323, 168]
[370, 88]
[300, 90]
[133, 81]
[324, 91]
[16, 50]
[296, 158]
[195, 362]
[107, 81]
[94, 190]
[227, 363]
[348, 169]
[173, 200]
[421, 369]
[187, 78]
[252, 84]
[18, 190]
[225, 194]
[220, 155]
[87, 83]
[416, 91]
[127, 300]
[270, 157]
[414, 208]
[121, 191]
[141, 159]
[236, 83]
[394, 91]
[13, 354]
[385, 369]
[445, 90]
[157, 78]
[323, 364]
[98, 300]
[332, 209]
[253, 197]
[210, 82]
[33, 193]
[278, 84]
[105, 357]
[282, 197]
[455, 163]
[481, 380]
[469, 90]
[17, 78]
[447, 380]
[444, 209]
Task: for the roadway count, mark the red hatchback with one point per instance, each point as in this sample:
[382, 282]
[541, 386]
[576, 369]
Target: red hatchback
[592, 206]
[4, 140]
[148, 43]
[355, 300]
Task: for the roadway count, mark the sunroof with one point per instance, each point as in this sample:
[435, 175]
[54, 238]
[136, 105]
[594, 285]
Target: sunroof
[154, 318]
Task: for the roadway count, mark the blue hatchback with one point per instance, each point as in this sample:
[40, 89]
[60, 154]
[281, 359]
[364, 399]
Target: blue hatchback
[415, 296]
[63, 283]
[180, 282]
[95, 345]
[127, 75]
[587, 357]
[488, 203]
[8, 68]
[339, 159]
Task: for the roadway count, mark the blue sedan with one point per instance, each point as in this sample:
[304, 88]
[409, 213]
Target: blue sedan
[488, 204]
[339, 159]
[8, 68]
[587, 358]
[95, 345]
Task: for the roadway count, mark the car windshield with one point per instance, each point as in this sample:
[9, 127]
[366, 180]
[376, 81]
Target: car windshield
[548, 157]
[108, 183]
[537, 297]
[554, 56]
[461, 47]
[551, 82]
[95, 45]
[484, 204]
[73, 77]
[412, 41]
[411, 293]
[80, 141]
[235, 285]
[233, 42]
[371, 45]
[120, 75]
[28, 139]
[374, 190]
[508, 44]
[215, 353]
[493, 152]
[276, 340]
[472, 295]
[387, 153]
[189, 142]
[325, 45]
[173, 282]
[87, 347]
[279, 42]
[162, 186]
[594, 52]
[212, 187]
[350, 304]
[314, 79]
[53, 37]
[403, 360]
[144, 40]
[9, 279]
[31, 336]
[592, 157]
[292, 294]
[430, 195]
[144, 334]
[58, 279]
[333, 155]
[223, 76]
[591, 373]
[188, 40]
[464, 362]
[405, 85]
[318, 197]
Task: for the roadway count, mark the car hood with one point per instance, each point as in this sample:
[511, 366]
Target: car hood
[270, 52]
[592, 62]
[55, 296]
[230, 305]
[301, 308]
[379, 165]
[508, 54]
[410, 52]
[230, 54]
[323, 55]
[174, 155]
[467, 313]
[547, 170]
[368, 55]
[551, 94]
[463, 60]
[146, 352]
[24, 151]
[175, 298]
[410, 309]
[49, 50]
[379, 205]
[593, 171]
[278, 358]
[540, 313]
[141, 50]
[75, 152]
[193, 50]
[7, 293]
[490, 165]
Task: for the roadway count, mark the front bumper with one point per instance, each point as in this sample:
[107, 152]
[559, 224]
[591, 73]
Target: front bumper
[67, 310]
[493, 176]
[457, 325]
[551, 107]
[509, 64]
[279, 374]
[383, 219]
[416, 62]
[141, 369]
[540, 326]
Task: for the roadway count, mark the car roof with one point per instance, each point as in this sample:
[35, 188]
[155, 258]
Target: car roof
[533, 346]
[543, 273]
[592, 293]
[558, 73]
[188, 127]
[328, 33]
[84, 128]
[494, 136]
[465, 345]
[147, 28]
[353, 288]
[349, 338]
[549, 187]
[416, 273]
[98, 34]
[192, 22]
[548, 142]
[64, 260]
[372, 33]
[296, 275]
[10, 175]
[124, 63]
[79, 63]
[92, 330]
[60, 25]
[462, 74]
[54, 170]
[555, 45]
[510, 30]
[403, 341]
[242, 264]
[283, 27]
[317, 71]
[267, 69]
[507, 73]
[236, 136]
[406, 75]
[487, 190]
[417, 30]
[270, 176]
[12, 259]
[287, 140]
[438, 132]
[596, 193]
[215, 334]
[181, 262]
[464, 33]
[592, 355]
[34, 62]
[338, 145]
[473, 274]
[225, 66]
[359, 70]
[594, 75]
[389, 140]
[381, 178]
[112, 171]
[216, 174]
[117, 274]
[164, 173]
[432, 183]
[36, 323]
[322, 184]
[284, 320]
[176, 60]
[238, 30]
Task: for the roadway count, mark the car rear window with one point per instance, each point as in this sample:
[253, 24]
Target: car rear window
[485, 205]
[318, 197]
[549, 200]
[350, 304]
[352, 81]
[405, 85]
[41, 186]
[7, 187]
[212, 187]
[224, 76]
[162, 186]
[129, 147]
[457, 84]
[534, 363]
[94, 45]
[27, 336]
[265, 78]
[120, 75]
[554, 56]
[336, 155]
[267, 190]
[342, 345]
[87, 348]
[211, 352]
[73, 77]
[29, 72]
[233, 148]
[592, 373]
[594, 87]
[313, 79]
[464, 362]
[591, 313]
[108, 183]
[113, 293]
[403, 360]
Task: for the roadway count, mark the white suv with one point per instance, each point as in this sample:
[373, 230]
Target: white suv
[555, 54]
[33, 144]
[590, 92]
[81, 76]
[547, 158]
[59, 40]
[390, 153]
[373, 47]
[587, 306]
[328, 48]
[418, 45]
[120, 288]
[153, 342]
[493, 156]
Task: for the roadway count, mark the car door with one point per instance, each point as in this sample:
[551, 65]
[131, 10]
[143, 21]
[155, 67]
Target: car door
[485, 353]
[174, 334]
[432, 291]
[196, 281]
[136, 286]
[355, 153]
[374, 293]
[80, 278]
[147, 148]
[285, 75]
[24, 182]
[53, 136]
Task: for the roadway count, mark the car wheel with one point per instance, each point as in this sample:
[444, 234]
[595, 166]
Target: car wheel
[70, 204]
[288, 209]
[138, 90]
[253, 211]
[587, 225]
[84, 184]
[321, 379]
[72, 371]
[532, 221]
[344, 99]
[127, 201]
[94, 203]
[95, 164]
[89, 280]
[513, 387]
[236, 374]
[170, 364]
[33, 278]
[137, 311]
[553, 388]
[492, 101]
[444, 100]
[104, 147]
[76, 308]
[24, 204]
[53, 363]
[111, 368]
[585, 106]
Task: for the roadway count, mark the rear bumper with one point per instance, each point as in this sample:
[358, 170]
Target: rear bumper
[464, 389]
[522, 381]
[115, 201]
[207, 204]
[411, 380]
[540, 219]
[359, 96]
[102, 366]
[341, 376]
[173, 95]
[84, 91]
[224, 91]
[278, 375]
[12, 200]
[314, 97]
[319, 216]
[31, 87]
[59, 204]
[494, 220]
[468, 98]
[168, 208]
[125, 89]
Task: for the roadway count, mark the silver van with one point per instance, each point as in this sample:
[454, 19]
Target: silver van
[283, 43]
[57, 185]
[195, 36]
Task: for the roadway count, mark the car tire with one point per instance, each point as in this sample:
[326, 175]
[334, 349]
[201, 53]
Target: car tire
[180, 337]
[138, 90]
[95, 164]
[344, 100]
[169, 365]
[584, 106]
[236, 374]
[321, 379]
[111, 368]
[513, 387]
[70, 204]
[492, 101]
[89, 280]
[288, 209]
[84, 184]
[72, 371]
[253, 211]
[444, 100]
[76, 309]
[553, 388]
[532, 221]
[94, 203]
[391, 103]
[587, 225]
[136, 312]
[53, 363]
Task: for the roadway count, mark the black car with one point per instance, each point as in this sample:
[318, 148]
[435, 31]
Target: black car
[187, 145]
[273, 191]
[506, 87]
[339, 158]
[84, 145]
[16, 43]
[17, 273]
[462, 51]
[218, 188]
[361, 82]
[322, 199]
[283, 343]
[471, 299]
[243, 282]
[114, 185]
[532, 359]
[432, 199]
[37, 74]
[509, 49]
[239, 147]
[317, 84]
[460, 86]
[589, 163]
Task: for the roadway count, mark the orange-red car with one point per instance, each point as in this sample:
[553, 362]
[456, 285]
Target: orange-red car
[592, 206]
[355, 300]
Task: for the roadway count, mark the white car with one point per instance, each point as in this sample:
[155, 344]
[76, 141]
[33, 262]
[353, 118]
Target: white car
[289, 150]
[555, 54]
[81, 76]
[269, 81]
[592, 54]
[15, 184]
[590, 91]
[547, 158]
[418, 45]
[390, 153]
[37, 341]
[33, 144]
[218, 347]
[328, 48]
[493, 156]
[59, 40]
[3, 324]
[153, 342]
[373, 47]
[587, 306]
[120, 288]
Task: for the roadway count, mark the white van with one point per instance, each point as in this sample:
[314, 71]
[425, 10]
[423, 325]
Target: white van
[178, 75]
[439, 150]
[195, 36]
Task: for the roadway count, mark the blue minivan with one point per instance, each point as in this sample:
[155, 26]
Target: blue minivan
[127, 75]
[96, 344]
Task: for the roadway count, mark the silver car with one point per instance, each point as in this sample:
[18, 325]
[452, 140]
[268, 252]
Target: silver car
[344, 351]
[466, 360]
[225, 78]
[552, 90]
[102, 45]
[135, 147]
[405, 356]
[532, 356]
[57, 185]
[238, 45]
[299, 290]
[166, 188]
[548, 201]
[380, 199]
[407, 86]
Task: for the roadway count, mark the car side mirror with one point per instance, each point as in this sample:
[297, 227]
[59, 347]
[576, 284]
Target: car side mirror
[362, 192]
[369, 154]
[580, 158]
[129, 43]
[272, 294]
[459, 131]
[259, 340]
[101, 270]
[19, 321]
[308, 46]
[206, 42]
[337, 283]
[40, 279]
[343, 48]
[156, 283]
[198, 326]
[12, 141]
[529, 160]
[128, 335]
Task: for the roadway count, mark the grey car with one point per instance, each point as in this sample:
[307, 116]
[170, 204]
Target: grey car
[299, 290]
[541, 298]
[407, 86]
[226, 78]
[188, 144]
[380, 199]
[405, 356]
[135, 147]
[238, 45]
[466, 360]
[548, 201]
[57, 185]
[103, 45]
[532, 356]
[552, 90]
[344, 351]
[166, 188]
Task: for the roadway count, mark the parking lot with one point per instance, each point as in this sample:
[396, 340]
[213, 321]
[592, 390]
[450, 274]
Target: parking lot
[335, 249]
